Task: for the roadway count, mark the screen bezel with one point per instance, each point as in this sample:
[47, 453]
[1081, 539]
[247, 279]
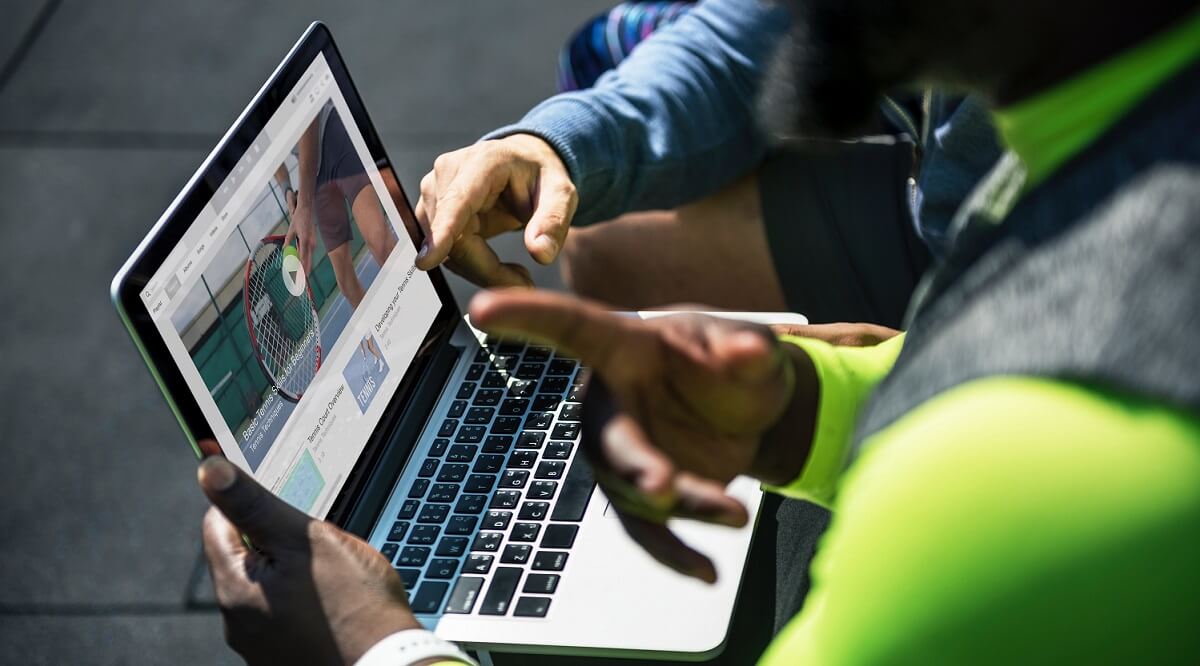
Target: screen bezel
[170, 228]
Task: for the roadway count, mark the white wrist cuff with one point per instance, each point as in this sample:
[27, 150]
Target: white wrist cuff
[409, 647]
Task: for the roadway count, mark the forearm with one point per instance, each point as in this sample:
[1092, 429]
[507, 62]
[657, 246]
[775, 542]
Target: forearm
[309, 154]
[674, 121]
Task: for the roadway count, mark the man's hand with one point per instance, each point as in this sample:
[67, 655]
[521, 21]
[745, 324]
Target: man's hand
[489, 188]
[302, 229]
[676, 408]
[306, 592]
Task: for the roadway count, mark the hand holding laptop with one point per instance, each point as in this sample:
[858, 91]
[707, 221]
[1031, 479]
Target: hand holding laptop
[677, 408]
[308, 593]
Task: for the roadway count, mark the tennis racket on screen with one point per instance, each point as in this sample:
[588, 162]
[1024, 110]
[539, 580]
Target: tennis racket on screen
[281, 317]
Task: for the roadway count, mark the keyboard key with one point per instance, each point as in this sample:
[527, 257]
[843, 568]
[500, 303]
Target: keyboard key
[530, 440]
[561, 366]
[453, 472]
[488, 464]
[553, 385]
[521, 388]
[483, 355]
[418, 488]
[408, 509]
[525, 532]
[530, 370]
[514, 407]
[542, 490]
[540, 583]
[441, 568]
[434, 513]
[494, 380]
[461, 453]
[389, 550]
[451, 546]
[479, 415]
[465, 391]
[539, 421]
[550, 469]
[399, 528]
[531, 607]
[506, 425]
[478, 564]
[409, 576]
[546, 403]
[511, 346]
[497, 520]
[572, 411]
[439, 447]
[428, 468]
[487, 542]
[558, 450]
[500, 591]
[480, 483]
[488, 397]
[507, 360]
[466, 591]
[549, 560]
[575, 492]
[534, 511]
[471, 434]
[470, 504]
[576, 392]
[412, 556]
[505, 499]
[565, 431]
[428, 599]
[538, 354]
[457, 408]
[514, 478]
[559, 536]
[448, 428]
[475, 372]
[424, 535]
[462, 524]
[443, 492]
[497, 444]
[522, 459]
[515, 554]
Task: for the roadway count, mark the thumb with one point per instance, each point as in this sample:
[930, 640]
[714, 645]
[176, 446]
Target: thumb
[267, 520]
[552, 213]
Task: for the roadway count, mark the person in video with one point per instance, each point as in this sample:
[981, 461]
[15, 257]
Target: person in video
[1016, 479]
[334, 189]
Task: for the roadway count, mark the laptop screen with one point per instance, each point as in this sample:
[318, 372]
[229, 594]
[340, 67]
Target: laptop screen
[291, 305]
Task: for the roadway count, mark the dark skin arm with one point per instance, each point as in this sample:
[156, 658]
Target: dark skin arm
[675, 409]
[307, 593]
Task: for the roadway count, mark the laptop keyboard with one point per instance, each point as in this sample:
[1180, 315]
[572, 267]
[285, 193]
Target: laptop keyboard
[488, 524]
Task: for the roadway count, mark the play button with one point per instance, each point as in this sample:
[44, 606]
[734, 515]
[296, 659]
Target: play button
[293, 272]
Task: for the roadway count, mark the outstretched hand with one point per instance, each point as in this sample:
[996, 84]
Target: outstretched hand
[491, 187]
[676, 408]
[305, 592]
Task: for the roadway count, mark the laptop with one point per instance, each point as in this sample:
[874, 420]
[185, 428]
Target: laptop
[350, 384]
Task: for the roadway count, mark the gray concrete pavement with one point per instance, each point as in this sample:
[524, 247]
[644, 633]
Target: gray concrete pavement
[106, 110]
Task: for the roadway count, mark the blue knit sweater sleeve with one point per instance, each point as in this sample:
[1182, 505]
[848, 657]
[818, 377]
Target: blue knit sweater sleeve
[674, 121]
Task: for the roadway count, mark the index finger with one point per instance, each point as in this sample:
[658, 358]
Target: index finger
[473, 189]
[577, 327]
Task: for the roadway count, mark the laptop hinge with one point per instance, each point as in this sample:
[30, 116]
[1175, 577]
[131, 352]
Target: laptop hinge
[396, 452]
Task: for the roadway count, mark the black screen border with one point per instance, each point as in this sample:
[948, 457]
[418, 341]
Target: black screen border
[168, 232]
